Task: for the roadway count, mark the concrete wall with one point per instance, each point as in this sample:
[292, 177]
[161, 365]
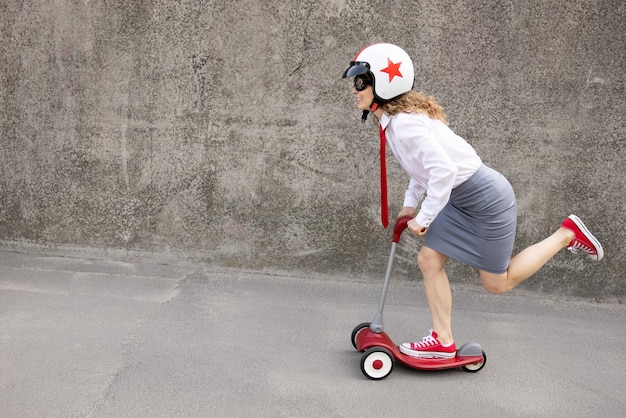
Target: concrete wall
[222, 130]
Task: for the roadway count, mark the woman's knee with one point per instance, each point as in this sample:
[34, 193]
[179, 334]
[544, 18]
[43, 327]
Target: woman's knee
[495, 283]
[429, 260]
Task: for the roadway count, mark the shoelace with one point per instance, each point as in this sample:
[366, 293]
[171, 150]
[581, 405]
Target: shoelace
[578, 246]
[427, 341]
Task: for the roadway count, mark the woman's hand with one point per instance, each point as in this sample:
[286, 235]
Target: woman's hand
[412, 225]
[416, 228]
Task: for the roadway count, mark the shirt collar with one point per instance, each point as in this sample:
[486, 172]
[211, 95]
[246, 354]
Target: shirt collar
[384, 121]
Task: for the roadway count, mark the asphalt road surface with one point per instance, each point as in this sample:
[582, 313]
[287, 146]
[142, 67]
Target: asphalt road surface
[95, 338]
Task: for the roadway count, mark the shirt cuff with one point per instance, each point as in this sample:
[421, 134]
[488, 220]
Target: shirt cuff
[410, 202]
[423, 220]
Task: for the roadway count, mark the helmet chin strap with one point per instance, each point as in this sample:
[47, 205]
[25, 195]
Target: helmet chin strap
[373, 108]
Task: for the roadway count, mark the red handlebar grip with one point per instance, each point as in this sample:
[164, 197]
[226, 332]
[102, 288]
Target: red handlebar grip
[399, 227]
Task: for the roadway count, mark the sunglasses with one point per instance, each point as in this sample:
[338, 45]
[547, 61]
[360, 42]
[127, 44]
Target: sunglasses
[361, 82]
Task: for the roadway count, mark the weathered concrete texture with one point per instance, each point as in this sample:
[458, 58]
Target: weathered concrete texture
[223, 129]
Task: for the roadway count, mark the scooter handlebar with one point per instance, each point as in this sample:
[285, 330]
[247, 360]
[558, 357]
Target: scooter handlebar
[400, 226]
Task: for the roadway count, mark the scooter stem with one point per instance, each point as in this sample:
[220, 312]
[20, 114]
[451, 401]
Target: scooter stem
[376, 326]
[377, 323]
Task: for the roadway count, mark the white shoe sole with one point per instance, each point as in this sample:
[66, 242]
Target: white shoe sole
[426, 354]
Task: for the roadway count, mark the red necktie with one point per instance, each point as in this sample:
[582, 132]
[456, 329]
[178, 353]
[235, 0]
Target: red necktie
[384, 206]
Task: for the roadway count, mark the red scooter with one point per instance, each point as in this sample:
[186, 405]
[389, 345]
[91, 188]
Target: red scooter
[380, 352]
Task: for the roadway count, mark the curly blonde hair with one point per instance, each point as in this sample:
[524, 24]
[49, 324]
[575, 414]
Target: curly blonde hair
[415, 102]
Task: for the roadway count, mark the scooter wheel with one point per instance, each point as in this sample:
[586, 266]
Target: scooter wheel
[377, 363]
[356, 331]
[474, 367]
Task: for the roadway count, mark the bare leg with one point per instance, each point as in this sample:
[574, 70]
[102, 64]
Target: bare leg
[527, 262]
[438, 292]
[521, 267]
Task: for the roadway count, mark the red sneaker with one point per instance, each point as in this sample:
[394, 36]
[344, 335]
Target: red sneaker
[429, 347]
[583, 240]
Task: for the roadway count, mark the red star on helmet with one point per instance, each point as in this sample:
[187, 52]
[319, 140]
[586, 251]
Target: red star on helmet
[392, 69]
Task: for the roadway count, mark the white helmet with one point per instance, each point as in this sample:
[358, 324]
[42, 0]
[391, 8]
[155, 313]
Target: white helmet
[390, 67]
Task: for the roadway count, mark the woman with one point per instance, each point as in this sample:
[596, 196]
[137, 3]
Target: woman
[469, 211]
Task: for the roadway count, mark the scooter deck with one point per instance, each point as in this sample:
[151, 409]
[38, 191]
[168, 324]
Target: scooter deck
[366, 339]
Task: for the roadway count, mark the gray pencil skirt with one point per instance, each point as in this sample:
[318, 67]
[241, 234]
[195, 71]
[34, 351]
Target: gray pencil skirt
[477, 226]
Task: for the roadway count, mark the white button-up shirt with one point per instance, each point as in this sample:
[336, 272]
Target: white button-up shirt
[435, 158]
